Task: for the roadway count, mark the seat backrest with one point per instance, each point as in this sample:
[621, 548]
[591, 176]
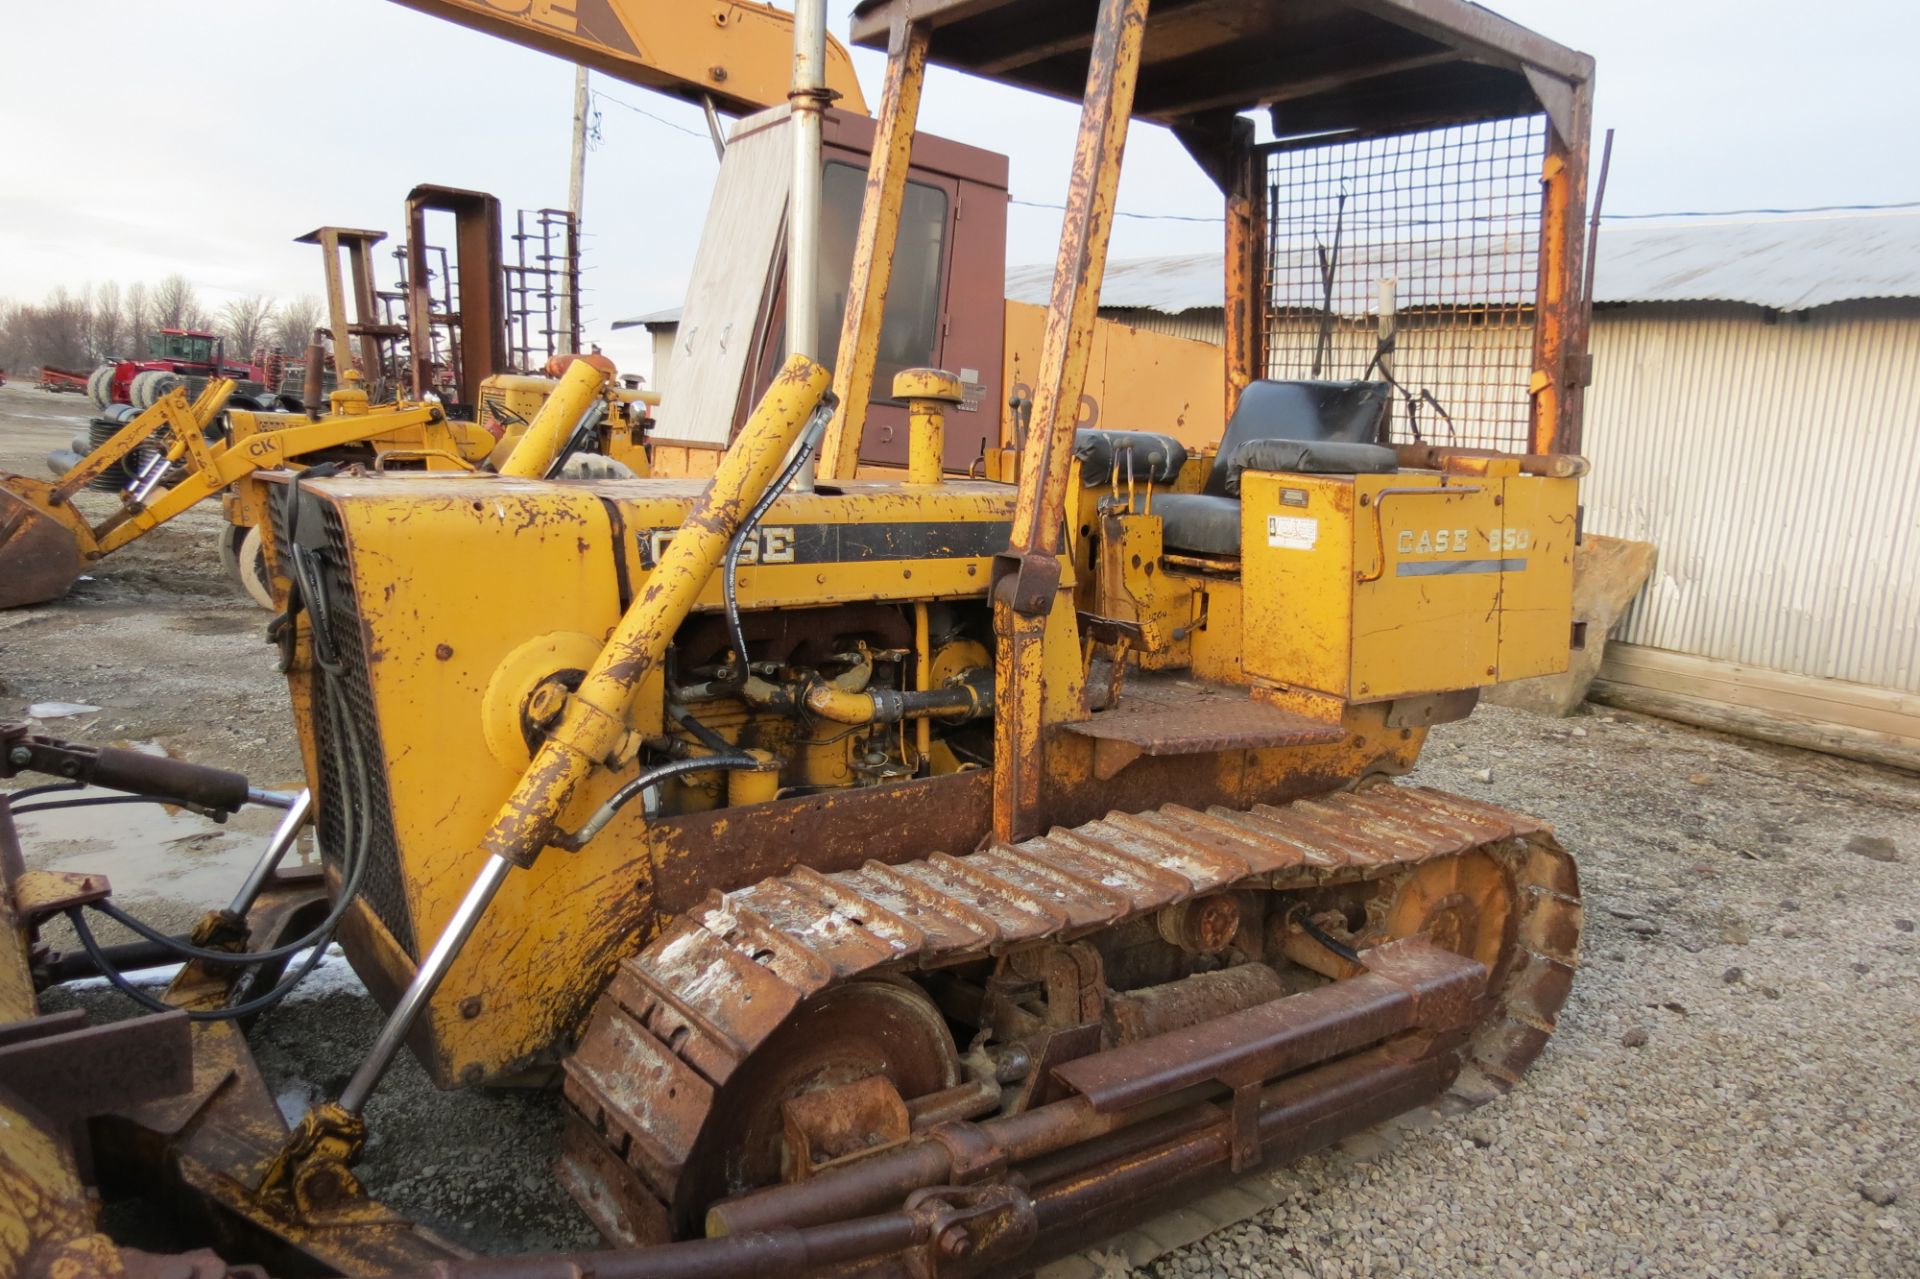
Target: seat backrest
[1343, 411]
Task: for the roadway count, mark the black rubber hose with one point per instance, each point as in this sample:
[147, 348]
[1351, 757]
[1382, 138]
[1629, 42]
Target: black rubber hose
[91, 801]
[729, 588]
[119, 982]
[707, 737]
[1299, 915]
[46, 788]
[652, 777]
[321, 934]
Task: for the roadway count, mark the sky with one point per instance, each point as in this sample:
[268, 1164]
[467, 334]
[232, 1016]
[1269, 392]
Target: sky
[142, 137]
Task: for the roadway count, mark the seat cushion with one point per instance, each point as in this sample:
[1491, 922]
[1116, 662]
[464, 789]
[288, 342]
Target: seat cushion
[1348, 411]
[1310, 457]
[1106, 456]
[1199, 523]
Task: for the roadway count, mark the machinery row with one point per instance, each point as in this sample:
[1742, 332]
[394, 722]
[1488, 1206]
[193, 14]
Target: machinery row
[906, 827]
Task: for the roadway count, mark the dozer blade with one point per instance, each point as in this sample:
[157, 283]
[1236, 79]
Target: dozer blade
[40, 546]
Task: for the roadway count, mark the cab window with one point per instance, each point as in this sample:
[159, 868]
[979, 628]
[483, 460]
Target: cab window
[910, 328]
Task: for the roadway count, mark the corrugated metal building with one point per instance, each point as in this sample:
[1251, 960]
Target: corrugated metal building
[1755, 414]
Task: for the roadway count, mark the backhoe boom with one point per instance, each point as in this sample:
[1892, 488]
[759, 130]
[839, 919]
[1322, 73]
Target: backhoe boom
[735, 52]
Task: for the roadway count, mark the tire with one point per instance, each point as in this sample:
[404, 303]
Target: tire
[137, 390]
[254, 577]
[163, 385]
[595, 466]
[232, 536]
[100, 386]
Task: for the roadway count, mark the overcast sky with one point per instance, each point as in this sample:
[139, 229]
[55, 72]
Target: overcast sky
[147, 136]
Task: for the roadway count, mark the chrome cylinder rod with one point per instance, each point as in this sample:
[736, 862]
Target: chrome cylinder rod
[426, 979]
[275, 852]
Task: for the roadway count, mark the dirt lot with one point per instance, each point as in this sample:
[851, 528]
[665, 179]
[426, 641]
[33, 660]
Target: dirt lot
[1734, 1088]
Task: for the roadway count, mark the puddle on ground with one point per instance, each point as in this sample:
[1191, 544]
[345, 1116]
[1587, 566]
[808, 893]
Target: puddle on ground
[146, 850]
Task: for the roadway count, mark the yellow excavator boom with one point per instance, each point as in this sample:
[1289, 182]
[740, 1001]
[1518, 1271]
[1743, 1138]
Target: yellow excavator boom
[737, 53]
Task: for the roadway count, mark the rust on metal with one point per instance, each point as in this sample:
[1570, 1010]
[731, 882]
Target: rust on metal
[1029, 571]
[873, 248]
[1186, 717]
[70, 1074]
[40, 555]
[476, 326]
[730, 976]
[1414, 985]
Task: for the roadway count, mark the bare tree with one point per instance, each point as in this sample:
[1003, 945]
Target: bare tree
[293, 326]
[176, 304]
[106, 339]
[139, 319]
[56, 332]
[247, 323]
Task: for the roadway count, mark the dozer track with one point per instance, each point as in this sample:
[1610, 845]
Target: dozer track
[681, 1018]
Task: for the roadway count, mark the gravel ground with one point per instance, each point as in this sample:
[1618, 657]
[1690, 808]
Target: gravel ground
[1734, 1088]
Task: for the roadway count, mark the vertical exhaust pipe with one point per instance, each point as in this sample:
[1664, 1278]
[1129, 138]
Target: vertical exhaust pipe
[808, 99]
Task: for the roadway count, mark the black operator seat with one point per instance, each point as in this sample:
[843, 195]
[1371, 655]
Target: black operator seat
[1314, 428]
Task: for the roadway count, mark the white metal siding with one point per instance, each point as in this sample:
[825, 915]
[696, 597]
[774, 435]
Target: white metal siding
[1775, 464]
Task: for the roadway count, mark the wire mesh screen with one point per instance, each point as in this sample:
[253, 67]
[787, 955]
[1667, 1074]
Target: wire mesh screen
[1433, 238]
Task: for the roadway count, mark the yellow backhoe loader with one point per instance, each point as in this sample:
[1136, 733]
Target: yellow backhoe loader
[923, 875]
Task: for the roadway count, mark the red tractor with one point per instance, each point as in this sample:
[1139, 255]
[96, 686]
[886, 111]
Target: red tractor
[183, 357]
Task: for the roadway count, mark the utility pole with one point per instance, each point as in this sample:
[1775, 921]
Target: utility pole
[569, 336]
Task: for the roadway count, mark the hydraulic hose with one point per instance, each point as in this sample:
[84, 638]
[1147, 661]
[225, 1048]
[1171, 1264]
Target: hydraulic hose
[652, 777]
[729, 577]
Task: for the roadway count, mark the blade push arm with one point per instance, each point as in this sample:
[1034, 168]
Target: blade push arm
[736, 52]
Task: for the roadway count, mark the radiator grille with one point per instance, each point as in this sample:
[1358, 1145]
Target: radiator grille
[1451, 217]
[382, 884]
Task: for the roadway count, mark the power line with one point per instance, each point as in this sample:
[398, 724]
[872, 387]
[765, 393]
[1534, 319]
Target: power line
[1740, 213]
[1191, 217]
[1122, 213]
[658, 119]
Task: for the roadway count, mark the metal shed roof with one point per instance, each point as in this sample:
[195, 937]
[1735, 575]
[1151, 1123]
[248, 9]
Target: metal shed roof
[1785, 263]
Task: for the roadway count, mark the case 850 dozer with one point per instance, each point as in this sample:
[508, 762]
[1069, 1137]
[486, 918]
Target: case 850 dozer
[920, 876]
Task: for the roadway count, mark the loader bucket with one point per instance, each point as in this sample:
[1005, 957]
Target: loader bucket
[40, 545]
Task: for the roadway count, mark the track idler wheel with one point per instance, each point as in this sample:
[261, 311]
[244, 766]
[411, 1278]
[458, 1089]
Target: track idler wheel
[833, 1080]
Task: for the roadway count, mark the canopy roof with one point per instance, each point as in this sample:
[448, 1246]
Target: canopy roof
[1320, 66]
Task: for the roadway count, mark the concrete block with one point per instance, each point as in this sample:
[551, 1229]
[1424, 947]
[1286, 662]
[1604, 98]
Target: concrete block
[1607, 573]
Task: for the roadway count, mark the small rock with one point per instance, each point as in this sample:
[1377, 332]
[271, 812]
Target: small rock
[1878, 1193]
[1733, 976]
[1789, 932]
[1483, 775]
[1636, 1037]
[1874, 848]
[1698, 779]
[1644, 928]
[1578, 732]
[1903, 925]
[1770, 992]
[1860, 968]
[1789, 904]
